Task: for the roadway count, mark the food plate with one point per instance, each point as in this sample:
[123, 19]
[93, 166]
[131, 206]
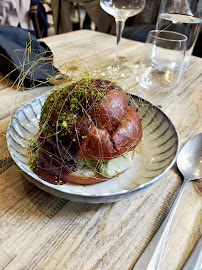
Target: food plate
[153, 158]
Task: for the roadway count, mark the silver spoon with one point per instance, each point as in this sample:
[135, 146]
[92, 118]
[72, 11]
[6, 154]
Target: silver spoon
[189, 162]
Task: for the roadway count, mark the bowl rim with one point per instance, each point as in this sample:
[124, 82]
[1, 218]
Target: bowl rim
[58, 188]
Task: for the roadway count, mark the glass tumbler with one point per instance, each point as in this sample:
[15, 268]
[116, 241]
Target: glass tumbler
[184, 17]
[162, 60]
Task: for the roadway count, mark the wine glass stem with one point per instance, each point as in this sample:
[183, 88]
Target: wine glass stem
[119, 31]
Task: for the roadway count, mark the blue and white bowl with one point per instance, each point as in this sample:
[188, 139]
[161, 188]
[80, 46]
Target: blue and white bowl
[153, 159]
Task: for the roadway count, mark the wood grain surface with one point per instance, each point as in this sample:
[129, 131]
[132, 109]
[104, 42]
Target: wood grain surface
[40, 231]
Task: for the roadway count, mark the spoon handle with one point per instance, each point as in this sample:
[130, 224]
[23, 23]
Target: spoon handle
[150, 258]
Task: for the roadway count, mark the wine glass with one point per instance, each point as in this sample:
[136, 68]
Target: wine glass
[120, 10]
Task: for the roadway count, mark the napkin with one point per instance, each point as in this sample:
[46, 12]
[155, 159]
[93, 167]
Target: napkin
[23, 58]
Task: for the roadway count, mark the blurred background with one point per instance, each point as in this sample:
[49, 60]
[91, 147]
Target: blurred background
[52, 17]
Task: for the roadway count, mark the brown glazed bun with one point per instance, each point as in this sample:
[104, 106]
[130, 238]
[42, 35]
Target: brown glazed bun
[90, 119]
[87, 177]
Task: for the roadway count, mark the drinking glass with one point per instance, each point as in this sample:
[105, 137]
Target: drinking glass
[182, 16]
[120, 10]
[162, 60]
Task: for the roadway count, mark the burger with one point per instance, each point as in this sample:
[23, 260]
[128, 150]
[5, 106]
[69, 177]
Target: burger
[88, 132]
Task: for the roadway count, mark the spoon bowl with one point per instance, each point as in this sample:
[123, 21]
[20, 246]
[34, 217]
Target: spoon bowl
[189, 162]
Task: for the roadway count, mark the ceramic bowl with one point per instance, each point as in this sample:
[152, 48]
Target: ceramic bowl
[154, 157]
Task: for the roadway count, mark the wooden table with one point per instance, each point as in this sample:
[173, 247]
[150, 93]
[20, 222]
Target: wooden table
[40, 231]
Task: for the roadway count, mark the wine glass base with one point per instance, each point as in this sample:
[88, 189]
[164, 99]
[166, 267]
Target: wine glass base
[116, 72]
